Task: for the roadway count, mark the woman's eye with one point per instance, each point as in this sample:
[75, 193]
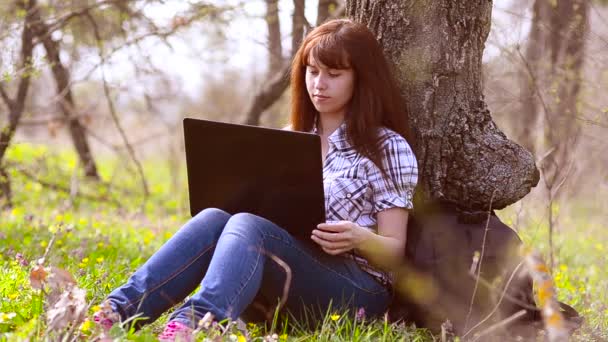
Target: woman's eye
[331, 74]
[312, 72]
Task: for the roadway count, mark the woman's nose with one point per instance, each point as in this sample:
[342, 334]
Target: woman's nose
[320, 82]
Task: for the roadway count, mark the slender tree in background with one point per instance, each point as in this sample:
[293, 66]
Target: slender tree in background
[275, 47]
[275, 86]
[16, 105]
[436, 49]
[65, 96]
[551, 82]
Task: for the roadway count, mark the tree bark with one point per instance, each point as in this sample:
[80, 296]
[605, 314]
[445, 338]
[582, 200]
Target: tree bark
[436, 49]
[64, 91]
[16, 106]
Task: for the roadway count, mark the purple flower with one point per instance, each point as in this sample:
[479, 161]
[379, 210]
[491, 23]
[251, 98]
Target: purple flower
[21, 259]
[360, 316]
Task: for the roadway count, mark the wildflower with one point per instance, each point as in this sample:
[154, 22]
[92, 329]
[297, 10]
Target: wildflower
[271, 338]
[6, 317]
[334, 317]
[85, 260]
[21, 260]
[86, 326]
[360, 316]
[13, 296]
[282, 337]
[99, 260]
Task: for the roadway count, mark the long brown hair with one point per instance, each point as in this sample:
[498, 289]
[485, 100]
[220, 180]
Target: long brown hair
[376, 102]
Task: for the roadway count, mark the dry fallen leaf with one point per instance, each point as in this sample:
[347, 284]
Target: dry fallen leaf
[38, 276]
[69, 309]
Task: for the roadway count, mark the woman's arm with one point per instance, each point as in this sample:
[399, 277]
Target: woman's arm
[387, 245]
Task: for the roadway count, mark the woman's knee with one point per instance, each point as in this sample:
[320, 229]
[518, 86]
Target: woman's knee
[208, 220]
[247, 224]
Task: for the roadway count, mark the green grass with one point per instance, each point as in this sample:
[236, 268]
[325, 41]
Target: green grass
[101, 243]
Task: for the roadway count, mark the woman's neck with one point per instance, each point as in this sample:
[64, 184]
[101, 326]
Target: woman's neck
[328, 123]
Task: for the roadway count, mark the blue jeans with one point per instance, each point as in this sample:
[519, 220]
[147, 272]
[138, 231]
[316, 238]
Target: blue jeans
[238, 258]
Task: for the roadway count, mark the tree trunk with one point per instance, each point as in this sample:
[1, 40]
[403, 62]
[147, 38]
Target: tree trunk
[66, 102]
[436, 49]
[16, 106]
[275, 48]
[569, 28]
[276, 84]
[297, 24]
[531, 80]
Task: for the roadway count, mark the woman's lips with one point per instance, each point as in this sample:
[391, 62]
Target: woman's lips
[320, 97]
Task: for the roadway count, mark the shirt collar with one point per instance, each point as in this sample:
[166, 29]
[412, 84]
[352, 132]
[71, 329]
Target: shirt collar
[337, 138]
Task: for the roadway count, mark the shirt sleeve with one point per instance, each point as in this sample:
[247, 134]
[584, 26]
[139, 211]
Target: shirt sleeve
[395, 188]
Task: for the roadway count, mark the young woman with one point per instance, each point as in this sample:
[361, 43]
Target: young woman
[341, 89]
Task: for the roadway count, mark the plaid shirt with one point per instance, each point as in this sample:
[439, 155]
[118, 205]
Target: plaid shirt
[356, 190]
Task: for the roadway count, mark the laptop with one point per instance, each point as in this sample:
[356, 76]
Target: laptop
[272, 173]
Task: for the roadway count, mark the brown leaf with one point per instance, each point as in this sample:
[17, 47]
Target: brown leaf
[70, 308]
[38, 276]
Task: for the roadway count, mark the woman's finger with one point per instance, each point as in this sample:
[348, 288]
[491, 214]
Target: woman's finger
[331, 245]
[335, 227]
[327, 235]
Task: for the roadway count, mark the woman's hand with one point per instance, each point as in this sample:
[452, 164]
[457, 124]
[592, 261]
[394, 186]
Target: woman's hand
[339, 237]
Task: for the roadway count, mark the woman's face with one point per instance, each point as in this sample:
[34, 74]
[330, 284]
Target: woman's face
[330, 90]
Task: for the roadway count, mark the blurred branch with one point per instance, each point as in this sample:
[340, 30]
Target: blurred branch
[64, 20]
[61, 188]
[106, 90]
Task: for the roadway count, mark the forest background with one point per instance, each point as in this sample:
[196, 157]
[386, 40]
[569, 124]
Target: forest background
[92, 173]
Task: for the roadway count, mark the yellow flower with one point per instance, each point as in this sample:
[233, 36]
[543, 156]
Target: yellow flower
[96, 308]
[12, 296]
[99, 260]
[100, 244]
[335, 317]
[85, 260]
[5, 317]
[563, 267]
[283, 337]
[241, 338]
[86, 326]
[82, 265]
[43, 244]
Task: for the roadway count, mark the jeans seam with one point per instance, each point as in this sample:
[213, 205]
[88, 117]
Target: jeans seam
[170, 277]
[257, 262]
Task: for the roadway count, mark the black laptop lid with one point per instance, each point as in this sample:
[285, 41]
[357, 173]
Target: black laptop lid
[272, 173]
